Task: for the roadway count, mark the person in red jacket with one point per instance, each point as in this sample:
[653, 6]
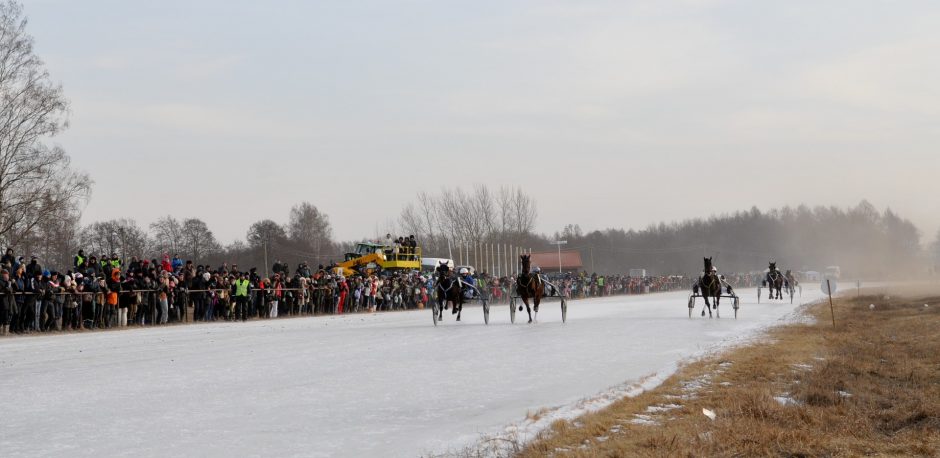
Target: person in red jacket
[166, 264]
[343, 292]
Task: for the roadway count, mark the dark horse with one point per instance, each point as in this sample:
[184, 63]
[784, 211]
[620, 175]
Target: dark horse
[448, 292]
[710, 286]
[775, 281]
[529, 285]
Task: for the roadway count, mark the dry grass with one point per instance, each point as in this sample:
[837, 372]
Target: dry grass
[869, 386]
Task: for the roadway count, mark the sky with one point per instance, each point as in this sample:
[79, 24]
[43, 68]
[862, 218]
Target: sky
[611, 113]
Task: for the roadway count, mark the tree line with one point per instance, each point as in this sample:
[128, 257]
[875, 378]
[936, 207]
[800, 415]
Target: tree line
[861, 240]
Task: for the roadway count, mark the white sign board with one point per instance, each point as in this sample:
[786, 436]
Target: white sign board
[826, 284]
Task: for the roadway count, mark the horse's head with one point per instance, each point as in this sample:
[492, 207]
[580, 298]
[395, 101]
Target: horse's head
[773, 266]
[708, 265]
[526, 263]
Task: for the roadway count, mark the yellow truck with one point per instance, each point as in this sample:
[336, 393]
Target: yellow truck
[370, 258]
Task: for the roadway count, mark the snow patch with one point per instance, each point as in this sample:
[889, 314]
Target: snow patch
[786, 401]
[644, 420]
[662, 408]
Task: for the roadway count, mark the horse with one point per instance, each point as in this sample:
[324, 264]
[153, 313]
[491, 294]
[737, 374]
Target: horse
[529, 285]
[774, 281]
[710, 286]
[448, 291]
[792, 282]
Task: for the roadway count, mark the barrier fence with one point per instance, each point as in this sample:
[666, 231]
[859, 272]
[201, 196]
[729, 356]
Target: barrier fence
[74, 310]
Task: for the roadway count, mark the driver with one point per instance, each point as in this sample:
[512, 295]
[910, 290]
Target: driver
[549, 288]
[467, 282]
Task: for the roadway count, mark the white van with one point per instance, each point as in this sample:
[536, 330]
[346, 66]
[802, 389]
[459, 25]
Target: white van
[430, 264]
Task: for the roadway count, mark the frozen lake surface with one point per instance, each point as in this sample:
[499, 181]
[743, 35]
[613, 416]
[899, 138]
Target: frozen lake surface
[357, 385]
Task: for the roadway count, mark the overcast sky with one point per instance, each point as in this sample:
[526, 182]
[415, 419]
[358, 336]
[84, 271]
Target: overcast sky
[613, 113]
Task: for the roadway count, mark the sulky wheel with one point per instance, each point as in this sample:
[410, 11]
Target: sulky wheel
[564, 310]
[434, 310]
[512, 310]
[486, 312]
[737, 305]
[691, 305]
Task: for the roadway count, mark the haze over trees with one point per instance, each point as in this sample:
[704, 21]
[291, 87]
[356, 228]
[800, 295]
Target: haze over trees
[861, 240]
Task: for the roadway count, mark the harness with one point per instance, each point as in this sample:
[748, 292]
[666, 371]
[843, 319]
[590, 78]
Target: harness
[712, 279]
[441, 288]
[526, 284]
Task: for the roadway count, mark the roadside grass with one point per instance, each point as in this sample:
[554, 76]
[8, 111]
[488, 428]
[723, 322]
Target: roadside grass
[868, 386]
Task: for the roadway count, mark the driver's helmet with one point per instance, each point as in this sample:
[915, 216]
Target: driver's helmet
[464, 271]
[714, 269]
[537, 270]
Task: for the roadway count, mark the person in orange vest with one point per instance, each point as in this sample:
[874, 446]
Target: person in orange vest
[114, 287]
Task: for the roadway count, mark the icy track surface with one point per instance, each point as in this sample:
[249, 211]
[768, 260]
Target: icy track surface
[358, 385]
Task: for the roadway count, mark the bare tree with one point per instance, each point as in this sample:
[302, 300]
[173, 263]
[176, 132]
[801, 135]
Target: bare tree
[525, 211]
[456, 217]
[119, 236]
[507, 218]
[309, 226]
[36, 181]
[265, 232]
[167, 234]
[198, 241]
[410, 222]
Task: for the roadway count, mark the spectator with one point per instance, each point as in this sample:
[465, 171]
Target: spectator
[9, 260]
[7, 301]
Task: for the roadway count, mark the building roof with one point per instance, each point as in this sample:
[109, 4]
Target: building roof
[548, 260]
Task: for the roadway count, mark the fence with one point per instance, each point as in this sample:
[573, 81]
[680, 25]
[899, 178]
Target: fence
[90, 310]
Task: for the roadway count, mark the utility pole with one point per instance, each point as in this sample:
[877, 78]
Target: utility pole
[592, 259]
[265, 244]
[559, 243]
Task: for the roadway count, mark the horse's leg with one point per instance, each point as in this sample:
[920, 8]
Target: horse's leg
[459, 306]
[525, 300]
[707, 305]
[537, 299]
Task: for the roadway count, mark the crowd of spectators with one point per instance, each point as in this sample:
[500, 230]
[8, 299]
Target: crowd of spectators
[105, 292]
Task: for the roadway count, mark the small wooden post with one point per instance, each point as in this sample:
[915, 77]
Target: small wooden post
[831, 310]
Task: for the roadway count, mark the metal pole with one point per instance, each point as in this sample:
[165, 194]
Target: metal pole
[476, 255]
[831, 310]
[265, 244]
